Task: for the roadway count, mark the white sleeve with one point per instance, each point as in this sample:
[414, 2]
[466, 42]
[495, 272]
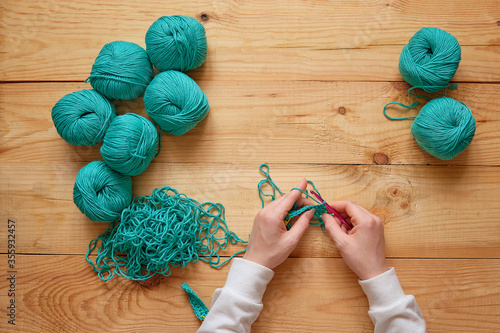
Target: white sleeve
[237, 305]
[390, 309]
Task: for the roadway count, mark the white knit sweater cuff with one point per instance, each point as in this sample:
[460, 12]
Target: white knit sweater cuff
[382, 290]
[248, 279]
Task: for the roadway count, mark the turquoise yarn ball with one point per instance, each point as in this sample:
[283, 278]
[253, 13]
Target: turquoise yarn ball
[101, 193]
[130, 144]
[444, 128]
[430, 59]
[176, 42]
[122, 70]
[175, 102]
[82, 117]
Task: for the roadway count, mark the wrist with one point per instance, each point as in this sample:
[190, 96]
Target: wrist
[373, 272]
[257, 259]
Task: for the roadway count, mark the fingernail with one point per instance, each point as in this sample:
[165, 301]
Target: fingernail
[313, 210]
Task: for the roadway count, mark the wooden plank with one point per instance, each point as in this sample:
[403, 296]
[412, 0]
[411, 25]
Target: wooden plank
[62, 293]
[256, 121]
[433, 212]
[253, 40]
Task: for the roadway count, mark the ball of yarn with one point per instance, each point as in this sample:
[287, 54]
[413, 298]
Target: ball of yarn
[130, 144]
[430, 59]
[175, 102]
[101, 193]
[122, 70]
[82, 117]
[444, 128]
[176, 42]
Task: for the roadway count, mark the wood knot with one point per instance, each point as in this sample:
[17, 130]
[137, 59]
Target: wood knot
[151, 282]
[404, 205]
[204, 17]
[394, 191]
[498, 22]
[380, 158]
[400, 85]
[342, 110]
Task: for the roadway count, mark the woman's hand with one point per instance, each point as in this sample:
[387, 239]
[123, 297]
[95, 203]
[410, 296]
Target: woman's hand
[362, 247]
[270, 242]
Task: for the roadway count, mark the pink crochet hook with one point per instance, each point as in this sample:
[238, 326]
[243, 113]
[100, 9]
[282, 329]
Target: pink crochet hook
[332, 210]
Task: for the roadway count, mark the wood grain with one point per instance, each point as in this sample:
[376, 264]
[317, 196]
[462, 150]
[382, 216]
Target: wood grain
[275, 122]
[61, 293]
[433, 212]
[58, 40]
[296, 84]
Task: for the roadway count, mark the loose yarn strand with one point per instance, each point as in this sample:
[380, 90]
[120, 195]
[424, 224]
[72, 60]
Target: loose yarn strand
[414, 104]
[295, 211]
[411, 106]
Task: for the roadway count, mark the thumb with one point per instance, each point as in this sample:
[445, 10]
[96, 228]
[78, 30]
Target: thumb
[300, 226]
[333, 228]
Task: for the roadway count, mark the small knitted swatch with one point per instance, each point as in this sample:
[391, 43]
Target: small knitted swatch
[199, 308]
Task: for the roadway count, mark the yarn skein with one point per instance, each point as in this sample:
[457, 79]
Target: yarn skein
[130, 144]
[175, 102]
[444, 128]
[122, 70]
[430, 59]
[176, 42]
[82, 117]
[101, 193]
[429, 62]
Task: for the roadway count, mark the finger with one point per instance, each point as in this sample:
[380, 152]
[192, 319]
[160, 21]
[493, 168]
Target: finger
[276, 201]
[302, 202]
[301, 225]
[349, 208]
[333, 226]
[290, 198]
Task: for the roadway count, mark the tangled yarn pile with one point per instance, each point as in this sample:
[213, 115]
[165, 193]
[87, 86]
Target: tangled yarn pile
[157, 232]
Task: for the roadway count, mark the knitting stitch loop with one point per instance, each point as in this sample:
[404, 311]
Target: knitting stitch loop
[295, 211]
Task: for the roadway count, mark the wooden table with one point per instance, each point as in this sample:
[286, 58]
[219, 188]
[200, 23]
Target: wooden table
[296, 84]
